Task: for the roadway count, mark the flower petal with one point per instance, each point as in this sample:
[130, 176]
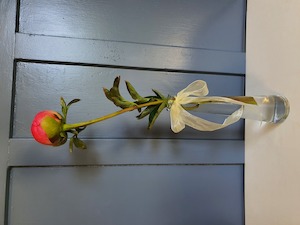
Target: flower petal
[46, 128]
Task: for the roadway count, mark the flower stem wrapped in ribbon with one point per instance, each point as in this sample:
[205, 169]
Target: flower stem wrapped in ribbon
[51, 128]
[195, 94]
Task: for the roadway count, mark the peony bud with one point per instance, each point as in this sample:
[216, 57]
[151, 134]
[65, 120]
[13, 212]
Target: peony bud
[46, 128]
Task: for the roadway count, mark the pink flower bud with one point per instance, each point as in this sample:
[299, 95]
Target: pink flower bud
[46, 128]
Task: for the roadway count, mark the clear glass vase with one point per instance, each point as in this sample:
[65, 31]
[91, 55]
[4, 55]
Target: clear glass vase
[271, 109]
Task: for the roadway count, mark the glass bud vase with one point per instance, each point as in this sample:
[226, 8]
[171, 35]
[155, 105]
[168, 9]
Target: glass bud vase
[270, 109]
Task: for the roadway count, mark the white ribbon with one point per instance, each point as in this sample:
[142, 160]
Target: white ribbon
[195, 93]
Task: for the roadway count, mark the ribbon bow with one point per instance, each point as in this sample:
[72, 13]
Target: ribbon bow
[195, 93]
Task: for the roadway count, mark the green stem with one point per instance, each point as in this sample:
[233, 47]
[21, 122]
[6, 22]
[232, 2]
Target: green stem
[67, 127]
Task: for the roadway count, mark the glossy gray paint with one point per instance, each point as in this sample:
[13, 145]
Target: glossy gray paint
[7, 29]
[127, 195]
[40, 86]
[111, 53]
[205, 24]
[188, 178]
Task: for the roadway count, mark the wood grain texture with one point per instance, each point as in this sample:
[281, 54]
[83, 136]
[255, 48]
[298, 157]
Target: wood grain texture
[26, 152]
[206, 24]
[7, 40]
[111, 53]
[128, 175]
[127, 195]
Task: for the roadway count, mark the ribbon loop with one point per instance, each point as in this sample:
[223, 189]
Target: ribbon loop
[195, 93]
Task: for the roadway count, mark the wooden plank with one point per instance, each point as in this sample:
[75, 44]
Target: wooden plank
[206, 24]
[26, 152]
[40, 86]
[7, 40]
[98, 52]
[127, 195]
[128, 175]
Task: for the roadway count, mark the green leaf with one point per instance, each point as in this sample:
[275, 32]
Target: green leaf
[114, 95]
[116, 82]
[146, 111]
[155, 113]
[122, 104]
[158, 94]
[79, 143]
[79, 129]
[62, 102]
[133, 93]
[71, 144]
[64, 108]
[73, 101]
[107, 94]
[115, 89]
[244, 99]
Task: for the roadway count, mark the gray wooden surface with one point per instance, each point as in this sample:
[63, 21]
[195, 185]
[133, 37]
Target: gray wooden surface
[129, 175]
[120, 54]
[206, 24]
[7, 29]
[39, 86]
[127, 195]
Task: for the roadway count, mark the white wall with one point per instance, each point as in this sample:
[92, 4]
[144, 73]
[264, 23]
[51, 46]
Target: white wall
[272, 167]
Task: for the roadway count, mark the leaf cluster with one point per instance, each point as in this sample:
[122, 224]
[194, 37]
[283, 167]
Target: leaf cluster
[74, 140]
[153, 105]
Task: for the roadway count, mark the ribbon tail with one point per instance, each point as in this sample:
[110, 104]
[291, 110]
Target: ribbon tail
[185, 118]
[177, 124]
[195, 94]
